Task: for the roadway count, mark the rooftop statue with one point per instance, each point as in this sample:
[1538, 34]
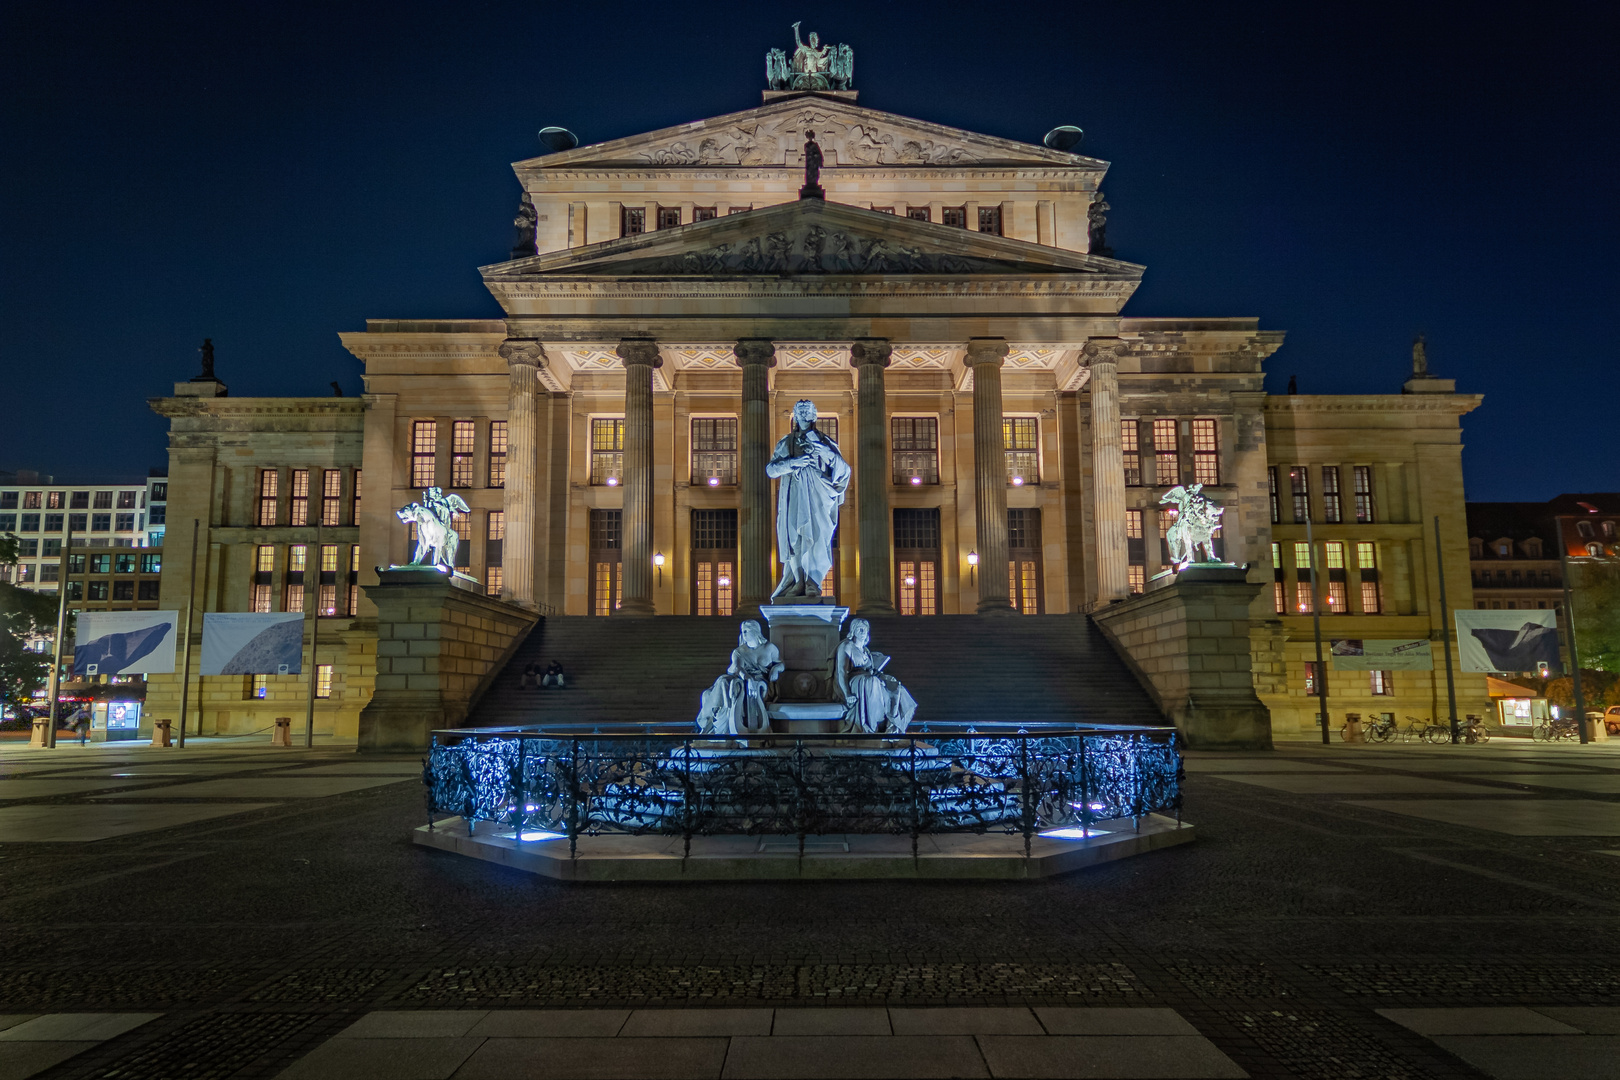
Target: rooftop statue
[814, 478]
[1196, 521]
[812, 67]
[436, 539]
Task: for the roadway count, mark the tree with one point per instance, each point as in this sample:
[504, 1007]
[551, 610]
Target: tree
[24, 615]
[1595, 588]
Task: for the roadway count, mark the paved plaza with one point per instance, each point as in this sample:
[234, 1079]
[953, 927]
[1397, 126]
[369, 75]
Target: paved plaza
[1395, 912]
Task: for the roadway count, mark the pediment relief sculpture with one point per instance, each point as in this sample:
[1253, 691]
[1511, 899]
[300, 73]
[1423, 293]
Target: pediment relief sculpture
[768, 142]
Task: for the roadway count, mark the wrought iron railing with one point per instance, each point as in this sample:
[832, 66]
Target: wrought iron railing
[589, 780]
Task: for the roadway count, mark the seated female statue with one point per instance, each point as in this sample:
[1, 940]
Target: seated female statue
[873, 701]
[735, 704]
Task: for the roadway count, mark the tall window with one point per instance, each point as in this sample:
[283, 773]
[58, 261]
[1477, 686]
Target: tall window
[714, 451]
[1129, 441]
[1382, 683]
[1332, 511]
[1338, 601]
[494, 551]
[331, 496]
[353, 591]
[1313, 686]
[953, 215]
[606, 542]
[1206, 453]
[916, 561]
[828, 426]
[1276, 508]
[424, 448]
[1304, 585]
[298, 511]
[297, 560]
[269, 483]
[1166, 518]
[1367, 564]
[264, 568]
[1166, 454]
[1024, 560]
[323, 680]
[1279, 599]
[607, 450]
[497, 453]
[632, 220]
[1020, 437]
[1299, 483]
[1135, 552]
[326, 598]
[714, 562]
[669, 217]
[462, 524]
[990, 220]
[354, 500]
[462, 435]
[915, 445]
[1364, 495]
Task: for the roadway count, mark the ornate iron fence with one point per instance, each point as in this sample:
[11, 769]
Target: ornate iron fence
[557, 781]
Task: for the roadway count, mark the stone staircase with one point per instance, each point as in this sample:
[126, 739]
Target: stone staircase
[960, 668]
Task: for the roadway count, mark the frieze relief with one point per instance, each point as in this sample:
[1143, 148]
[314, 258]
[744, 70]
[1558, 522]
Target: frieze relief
[812, 249]
[768, 143]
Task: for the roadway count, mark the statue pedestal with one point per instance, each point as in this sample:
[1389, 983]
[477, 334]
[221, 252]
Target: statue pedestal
[807, 636]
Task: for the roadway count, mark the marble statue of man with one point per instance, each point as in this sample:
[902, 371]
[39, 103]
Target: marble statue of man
[814, 478]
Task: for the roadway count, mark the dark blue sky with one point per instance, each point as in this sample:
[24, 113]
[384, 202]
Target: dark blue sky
[271, 174]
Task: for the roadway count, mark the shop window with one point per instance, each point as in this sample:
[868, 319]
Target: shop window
[1020, 438]
[462, 436]
[607, 450]
[1206, 453]
[1166, 454]
[914, 444]
[714, 451]
[497, 453]
[424, 451]
[1130, 444]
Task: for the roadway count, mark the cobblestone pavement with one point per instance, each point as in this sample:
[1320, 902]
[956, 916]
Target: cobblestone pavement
[1291, 935]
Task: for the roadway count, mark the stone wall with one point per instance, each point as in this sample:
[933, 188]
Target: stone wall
[1188, 641]
[440, 644]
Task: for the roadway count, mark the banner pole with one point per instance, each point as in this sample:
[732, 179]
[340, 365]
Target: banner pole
[1445, 630]
[314, 577]
[185, 669]
[61, 632]
[1569, 628]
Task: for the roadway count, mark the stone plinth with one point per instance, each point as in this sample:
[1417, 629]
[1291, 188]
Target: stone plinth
[440, 643]
[1187, 640]
[807, 636]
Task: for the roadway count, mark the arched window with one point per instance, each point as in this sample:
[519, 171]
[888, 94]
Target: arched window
[1594, 549]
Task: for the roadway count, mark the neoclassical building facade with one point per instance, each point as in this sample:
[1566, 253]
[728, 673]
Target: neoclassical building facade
[949, 309]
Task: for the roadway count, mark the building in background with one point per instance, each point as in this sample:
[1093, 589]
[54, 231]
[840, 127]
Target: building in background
[41, 513]
[157, 498]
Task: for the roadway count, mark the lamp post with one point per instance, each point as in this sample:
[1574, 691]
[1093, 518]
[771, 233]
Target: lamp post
[1321, 686]
[312, 576]
[973, 564]
[185, 663]
[1445, 631]
[1569, 627]
[61, 631]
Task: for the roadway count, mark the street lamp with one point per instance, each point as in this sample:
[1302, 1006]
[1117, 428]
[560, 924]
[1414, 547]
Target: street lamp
[973, 561]
[658, 561]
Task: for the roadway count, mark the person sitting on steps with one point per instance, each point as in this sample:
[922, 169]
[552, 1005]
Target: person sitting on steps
[553, 676]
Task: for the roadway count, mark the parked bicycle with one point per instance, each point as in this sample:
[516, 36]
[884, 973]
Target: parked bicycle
[1380, 730]
[1556, 730]
[1414, 730]
[1472, 730]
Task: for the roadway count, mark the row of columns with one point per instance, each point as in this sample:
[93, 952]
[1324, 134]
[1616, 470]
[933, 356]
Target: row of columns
[757, 573]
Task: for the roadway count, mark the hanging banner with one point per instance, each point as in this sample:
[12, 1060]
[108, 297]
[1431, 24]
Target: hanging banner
[1371, 654]
[125, 643]
[253, 643]
[1507, 640]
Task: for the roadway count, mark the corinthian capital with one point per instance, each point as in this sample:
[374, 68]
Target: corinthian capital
[1104, 351]
[870, 351]
[755, 351]
[517, 351]
[986, 350]
[640, 351]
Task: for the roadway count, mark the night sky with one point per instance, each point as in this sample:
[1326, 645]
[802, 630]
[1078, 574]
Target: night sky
[269, 175]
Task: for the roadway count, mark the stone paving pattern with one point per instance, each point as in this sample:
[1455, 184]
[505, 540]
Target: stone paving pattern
[1308, 933]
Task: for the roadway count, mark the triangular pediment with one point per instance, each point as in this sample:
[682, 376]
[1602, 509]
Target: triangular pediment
[849, 135]
[812, 237]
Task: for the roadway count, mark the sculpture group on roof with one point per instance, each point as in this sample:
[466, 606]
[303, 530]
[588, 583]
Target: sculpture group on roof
[811, 67]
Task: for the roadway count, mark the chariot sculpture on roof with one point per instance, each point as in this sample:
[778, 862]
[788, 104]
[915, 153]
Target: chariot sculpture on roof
[811, 67]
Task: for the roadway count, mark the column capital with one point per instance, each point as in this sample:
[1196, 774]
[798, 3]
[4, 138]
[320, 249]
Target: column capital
[870, 351]
[642, 352]
[986, 350]
[1109, 350]
[526, 351]
[755, 351]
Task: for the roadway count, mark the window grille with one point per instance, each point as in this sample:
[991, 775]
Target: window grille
[1166, 454]
[914, 443]
[1206, 453]
[990, 220]
[632, 220]
[424, 448]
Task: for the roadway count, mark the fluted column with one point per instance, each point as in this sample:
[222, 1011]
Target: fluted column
[756, 356]
[985, 357]
[1107, 468]
[523, 358]
[869, 357]
[640, 356]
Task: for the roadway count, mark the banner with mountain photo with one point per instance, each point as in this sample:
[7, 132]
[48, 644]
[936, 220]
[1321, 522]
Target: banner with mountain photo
[253, 643]
[1507, 640]
[125, 643]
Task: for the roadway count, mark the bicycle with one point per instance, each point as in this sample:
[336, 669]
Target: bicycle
[1556, 730]
[1414, 730]
[1382, 730]
[1472, 730]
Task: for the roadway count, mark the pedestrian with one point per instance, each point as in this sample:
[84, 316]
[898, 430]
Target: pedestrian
[80, 722]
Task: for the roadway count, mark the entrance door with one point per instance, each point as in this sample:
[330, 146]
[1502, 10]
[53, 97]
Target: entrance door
[714, 562]
[1024, 560]
[607, 583]
[916, 561]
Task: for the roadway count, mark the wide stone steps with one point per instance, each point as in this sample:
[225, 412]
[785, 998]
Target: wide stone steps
[960, 668]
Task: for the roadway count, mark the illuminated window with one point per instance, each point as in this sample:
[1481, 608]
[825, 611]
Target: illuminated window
[1135, 551]
[462, 436]
[1276, 509]
[354, 501]
[1024, 560]
[1136, 577]
[266, 560]
[299, 511]
[989, 220]
[323, 680]
[1312, 687]
[494, 546]
[1334, 555]
[353, 590]
[1337, 602]
[714, 451]
[269, 481]
[331, 496]
[497, 453]
[462, 524]
[53, 501]
[632, 220]
[1367, 566]
[607, 450]
[1382, 683]
[1332, 512]
[914, 442]
[714, 561]
[1206, 452]
[1299, 484]
[264, 566]
[605, 535]
[492, 581]
[103, 501]
[1166, 518]
[1020, 438]
[916, 549]
[327, 601]
[1364, 494]
[1166, 454]
[1132, 447]
[258, 687]
[1278, 598]
[297, 559]
[1304, 599]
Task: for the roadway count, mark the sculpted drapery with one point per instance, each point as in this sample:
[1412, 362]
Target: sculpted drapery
[814, 477]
